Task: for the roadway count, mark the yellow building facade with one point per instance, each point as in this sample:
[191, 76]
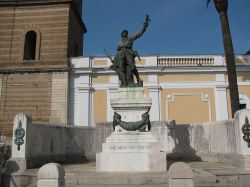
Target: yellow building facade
[187, 89]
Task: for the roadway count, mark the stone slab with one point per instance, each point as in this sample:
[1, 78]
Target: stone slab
[49, 183]
[130, 162]
[181, 183]
[201, 176]
[149, 179]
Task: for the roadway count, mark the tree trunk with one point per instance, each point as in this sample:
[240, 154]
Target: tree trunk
[230, 62]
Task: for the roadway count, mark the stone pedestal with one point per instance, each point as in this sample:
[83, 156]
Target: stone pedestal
[131, 152]
[131, 103]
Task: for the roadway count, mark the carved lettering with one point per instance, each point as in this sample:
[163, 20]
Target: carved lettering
[132, 147]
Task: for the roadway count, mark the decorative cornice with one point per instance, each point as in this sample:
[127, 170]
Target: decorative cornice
[169, 70]
[85, 89]
[221, 87]
[33, 66]
[41, 70]
[154, 88]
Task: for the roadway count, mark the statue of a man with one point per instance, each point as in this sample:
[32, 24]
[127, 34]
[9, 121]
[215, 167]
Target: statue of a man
[125, 57]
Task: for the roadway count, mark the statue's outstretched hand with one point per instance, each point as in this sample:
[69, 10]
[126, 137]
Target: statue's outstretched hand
[147, 20]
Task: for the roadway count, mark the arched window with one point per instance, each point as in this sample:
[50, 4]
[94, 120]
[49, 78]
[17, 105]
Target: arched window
[30, 46]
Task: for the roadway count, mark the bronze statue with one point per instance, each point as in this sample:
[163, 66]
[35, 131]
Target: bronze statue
[124, 61]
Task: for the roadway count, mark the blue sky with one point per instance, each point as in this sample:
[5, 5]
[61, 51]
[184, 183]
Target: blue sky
[178, 27]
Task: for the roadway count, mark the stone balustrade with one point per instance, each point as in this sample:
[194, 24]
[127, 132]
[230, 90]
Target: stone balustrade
[185, 61]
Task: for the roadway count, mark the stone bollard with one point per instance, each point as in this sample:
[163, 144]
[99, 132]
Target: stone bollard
[180, 175]
[51, 175]
[2, 160]
[239, 120]
[241, 124]
[20, 142]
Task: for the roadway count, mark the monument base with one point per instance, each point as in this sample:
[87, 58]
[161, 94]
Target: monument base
[131, 152]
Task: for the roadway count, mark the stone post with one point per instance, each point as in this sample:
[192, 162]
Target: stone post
[242, 158]
[2, 161]
[51, 175]
[239, 121]
[180, 174]
[20, 141]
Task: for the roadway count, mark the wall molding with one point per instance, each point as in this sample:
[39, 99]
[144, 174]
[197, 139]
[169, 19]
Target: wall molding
[204, 98]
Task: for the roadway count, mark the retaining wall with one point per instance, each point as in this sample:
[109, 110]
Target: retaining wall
[45, 143]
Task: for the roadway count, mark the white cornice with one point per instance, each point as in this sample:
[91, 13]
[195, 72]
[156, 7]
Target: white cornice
[158, 69]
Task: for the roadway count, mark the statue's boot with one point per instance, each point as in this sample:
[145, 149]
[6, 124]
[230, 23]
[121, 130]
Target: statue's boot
[136, 73]
[140, 82]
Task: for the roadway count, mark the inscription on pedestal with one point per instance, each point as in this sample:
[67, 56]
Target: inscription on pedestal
[132, 147]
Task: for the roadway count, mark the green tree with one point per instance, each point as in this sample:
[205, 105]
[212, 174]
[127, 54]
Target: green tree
[222, 7]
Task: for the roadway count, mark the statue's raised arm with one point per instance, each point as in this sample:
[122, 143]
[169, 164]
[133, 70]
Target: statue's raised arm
[143, 29]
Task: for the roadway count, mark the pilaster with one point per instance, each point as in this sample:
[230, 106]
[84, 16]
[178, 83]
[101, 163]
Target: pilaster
[221, 102]
[154, 94]
[84, 117]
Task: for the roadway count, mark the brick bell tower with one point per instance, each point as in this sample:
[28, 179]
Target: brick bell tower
[36, 39]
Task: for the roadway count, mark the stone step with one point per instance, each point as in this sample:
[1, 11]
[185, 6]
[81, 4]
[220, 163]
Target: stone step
[145, 185]
[94, 179]
[118, 179]
[84, 175]
[160, 185]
